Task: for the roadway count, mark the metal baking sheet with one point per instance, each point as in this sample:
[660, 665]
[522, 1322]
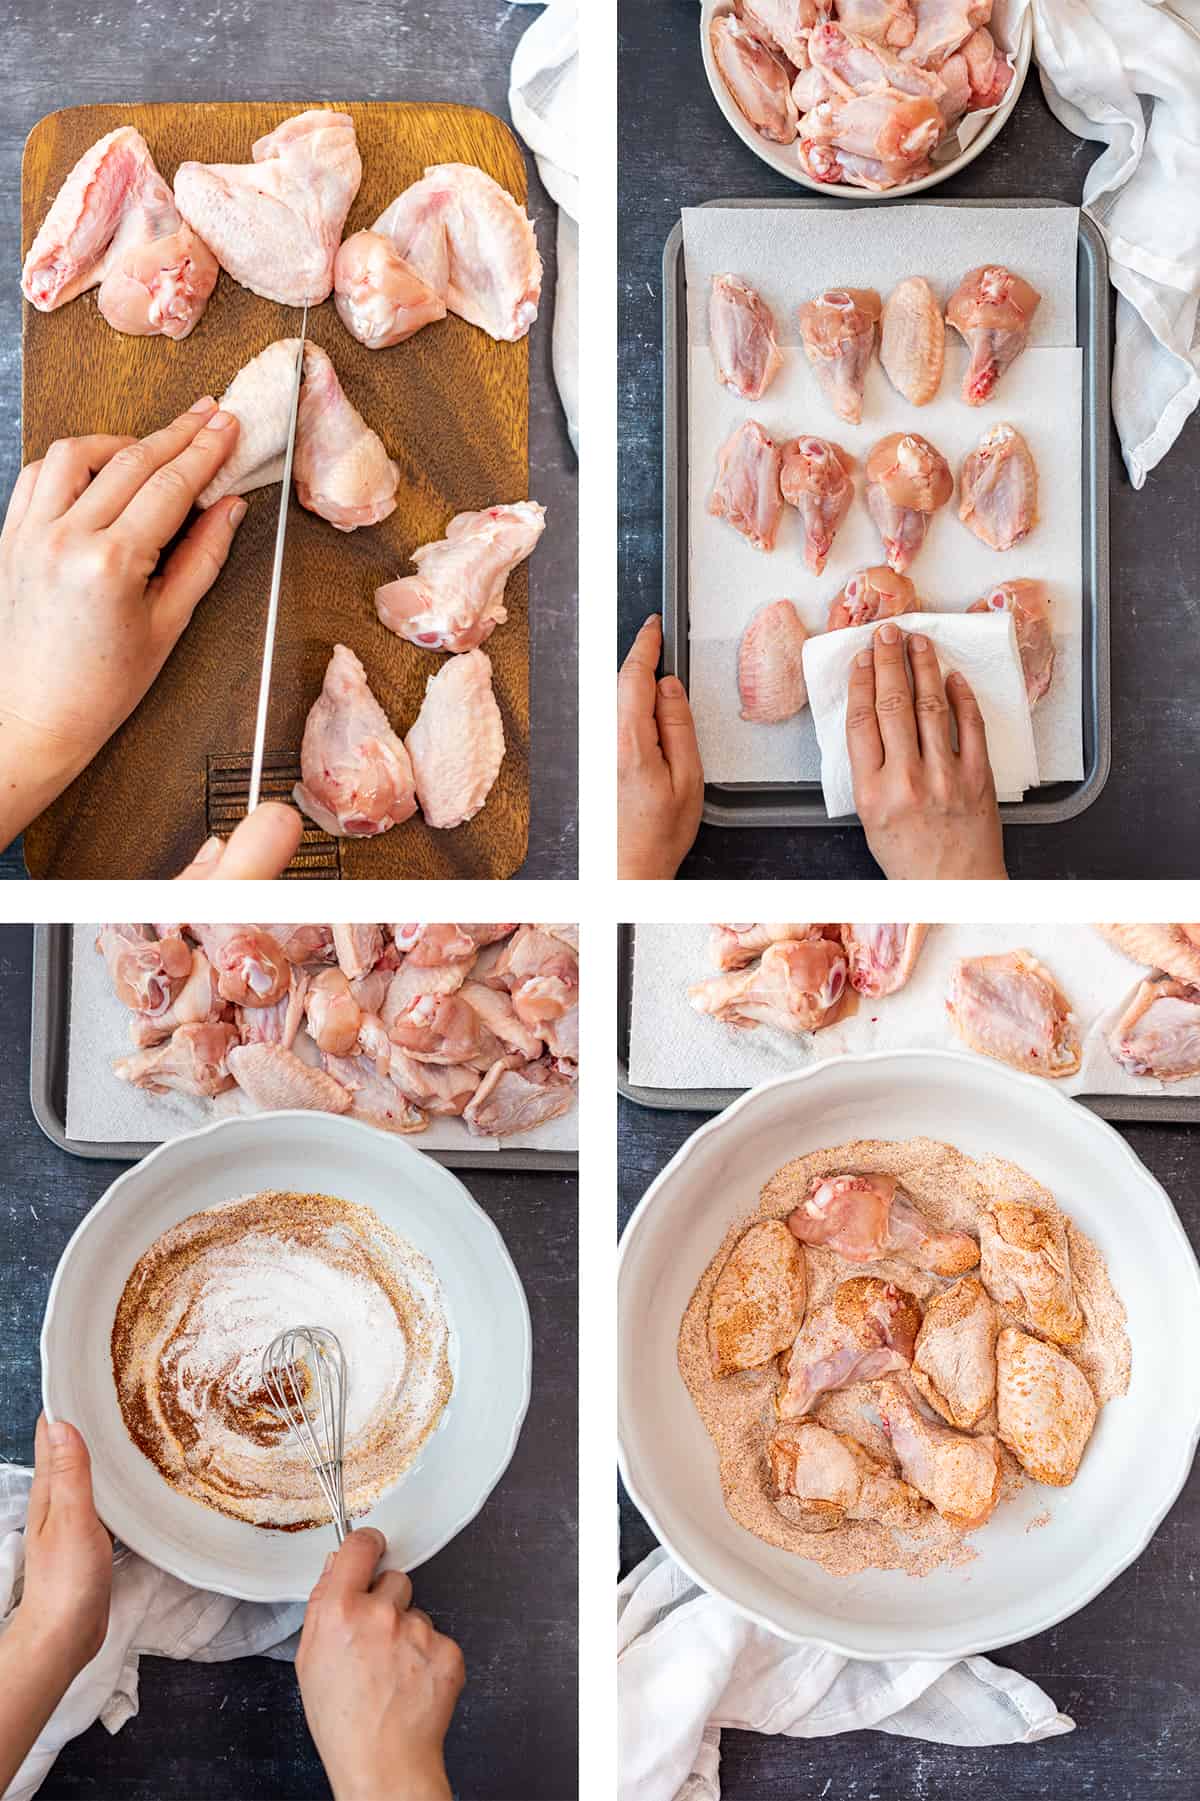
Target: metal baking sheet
[50, 1036]
[801, 803]
[1153, 1109]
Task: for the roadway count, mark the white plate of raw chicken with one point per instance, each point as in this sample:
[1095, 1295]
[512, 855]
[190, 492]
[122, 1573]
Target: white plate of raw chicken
[1022, 1581]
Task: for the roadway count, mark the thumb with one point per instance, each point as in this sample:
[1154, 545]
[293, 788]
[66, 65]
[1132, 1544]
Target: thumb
[69, 1469]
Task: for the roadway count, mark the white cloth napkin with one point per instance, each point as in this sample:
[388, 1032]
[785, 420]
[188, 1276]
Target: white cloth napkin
[689, 1664]
[982, 647]
[152, 1614]
[543, 98]
[1127, 72]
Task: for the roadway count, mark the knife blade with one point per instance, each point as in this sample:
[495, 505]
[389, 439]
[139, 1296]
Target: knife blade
[268, 658]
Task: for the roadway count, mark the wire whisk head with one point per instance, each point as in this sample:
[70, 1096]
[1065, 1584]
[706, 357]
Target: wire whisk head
[304, 1376]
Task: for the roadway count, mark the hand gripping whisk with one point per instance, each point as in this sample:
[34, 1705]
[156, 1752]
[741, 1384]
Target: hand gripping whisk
[304, 1374]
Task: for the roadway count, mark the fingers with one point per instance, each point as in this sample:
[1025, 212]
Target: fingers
[893, 700]
[972, 733]
[637, 691]
[354, 1561]
[70, 1469]
[259, 850]
[193, 566]
[66, 472]
[677, 733]
[18, 504]
[39, 1493]
[929, 699]
[168, 489]
[395, 1587]
[125, 476]
[863, 742]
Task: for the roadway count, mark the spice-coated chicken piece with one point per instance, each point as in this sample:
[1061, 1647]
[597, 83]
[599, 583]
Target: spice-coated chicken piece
[816, 477]
[1045, 1407]
[820, 1478]
[954, 1364]
[356, 778]
[912, 340]
[865, 1217]
[907, 481]
[758, 1299]
[455, 601]
[796, 988]
[1175, 949]
[771, 681]
[741, 328]
[733, 946]
[252, 970]
[756, 78]
[517, 1100]
[881, 958]
[883, 126]
[1159, 1032]
[943, 26]
[1029, 604]
[456, 742]
[871, 595]
[867, 1329]
[1010, 1007]
[959, 1474]
[275, 1078]
[992, 310]
[1026, 1266]
[838, 331]
[194, 1060]
[746, 492]
[998, 489]
[888, 21]
[785, 24]
[146, 972]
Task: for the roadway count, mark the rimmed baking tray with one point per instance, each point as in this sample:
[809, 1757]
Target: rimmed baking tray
[49, 1042]
[1153, 1109]
[801, 803]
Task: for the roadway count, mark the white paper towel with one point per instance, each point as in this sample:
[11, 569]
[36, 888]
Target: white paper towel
[983, 648]
[100, 1108]
[673, 1046]
[788, 255]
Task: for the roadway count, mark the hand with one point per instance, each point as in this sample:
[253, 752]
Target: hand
[378, 1683]
[660, 784]
[929, 810]
[85, 621]
[259, 849]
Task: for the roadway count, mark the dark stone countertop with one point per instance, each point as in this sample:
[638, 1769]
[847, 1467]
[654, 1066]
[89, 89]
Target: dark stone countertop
[59, 53]
[505, 1588]
[1126, 1668]
[676, 151]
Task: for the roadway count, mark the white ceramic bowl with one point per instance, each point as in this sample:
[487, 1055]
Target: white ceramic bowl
[1022, 1581]
[784, 159]
[490, 1343]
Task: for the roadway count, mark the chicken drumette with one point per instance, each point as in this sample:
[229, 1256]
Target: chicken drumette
[866, 1330]
[865, 1217]
[821, 1478]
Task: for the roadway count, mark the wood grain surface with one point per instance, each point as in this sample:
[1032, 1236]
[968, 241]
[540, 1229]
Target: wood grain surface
[450, 405]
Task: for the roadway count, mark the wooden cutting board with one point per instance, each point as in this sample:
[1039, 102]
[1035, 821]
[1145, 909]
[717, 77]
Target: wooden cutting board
[451, 406]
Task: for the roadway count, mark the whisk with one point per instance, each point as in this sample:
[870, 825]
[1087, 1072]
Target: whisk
[304, 1374]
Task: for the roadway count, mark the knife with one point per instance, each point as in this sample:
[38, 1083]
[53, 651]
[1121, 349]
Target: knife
[264, 686]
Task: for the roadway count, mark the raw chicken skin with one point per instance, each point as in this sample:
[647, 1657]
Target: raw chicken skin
[871, 595]
[275, 1078]
[1029, 605]
[866, 1330]
[889, 21]
[380, 298]
[516, 1100]
[992, 310]
[943, 26]
[959, 1474]
[907, 481]
[374, 1097]
[114, 224]
[796, 988]
[746, 491]
[1010, 1007]
[741, 327]
[1045, 1407]
[355, 776]
[954, 1365]
[146, 972]
[756, 78]
[457, 741]
[1026, 1267]
[912, 340]
[865, 1217]
[989, 73]
[456, 599]
[771, 681]
[838, 331]
[1175, 949]
[784, 24]
[998, 489]
[882, 957]
[275, 224]
[733, 946]
[1159, 1032]
[758, 1299]
[816, 477]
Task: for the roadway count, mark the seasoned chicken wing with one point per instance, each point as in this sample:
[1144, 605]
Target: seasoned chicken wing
[1045, 1407]
[821, 1478]
[746, 491]
[771, 681]
[882, 957]
[1026, 1266]
[838, 332]
[795, 988]
[816, 477]
[1010, 1007]
[954, 1364]
[959, 1474]
[741, 327]
[867, 1330]
[992, 310]
[871, 595]
[1159, 1032]
[865, 1217]
[907, 481]
[758, 1300]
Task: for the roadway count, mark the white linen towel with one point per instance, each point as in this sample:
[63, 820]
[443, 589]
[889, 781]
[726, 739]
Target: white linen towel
[543, 98]
[152, 1614]
[689, 1664]
[982, 647]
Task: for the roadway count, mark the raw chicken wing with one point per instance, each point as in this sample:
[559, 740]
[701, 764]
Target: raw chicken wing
[785, 24]
[1159, 1032]
[771, 665]
[279, 1022]
[332, 1013]
[998, 489]
[741, 327]
[865, 1217]
[356, 779]
[195, 1060]
[871, 595]
[1010, 1007]
[881, 957]
[888, 21]
[846, 64]
[907, 481]
[516, 1100]
[146, 972]
[989, 73]
[838, 331]
[357, 949]
[820, 1478]
[912, 340]
[884, 126]
[456, 743]
[495, 1010]
[746, 491]
[757, 79]
[275, 224]
[867, 1330]
[424, 946]
[442, 1028]
[1029, 605]
[374, 1097]
[380, 298]
[1175, 949]
[1045, 1407]
[1026, 1266]
[456, 599]
[816, 479]
[275, 1078]
[796, 988]
[992, 310]
[943, 26]
[252, 970]
[442, 1089]
[197, 1003]
[733, 946]
[757, 1303]
[960, 1475]
[954, 1364]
